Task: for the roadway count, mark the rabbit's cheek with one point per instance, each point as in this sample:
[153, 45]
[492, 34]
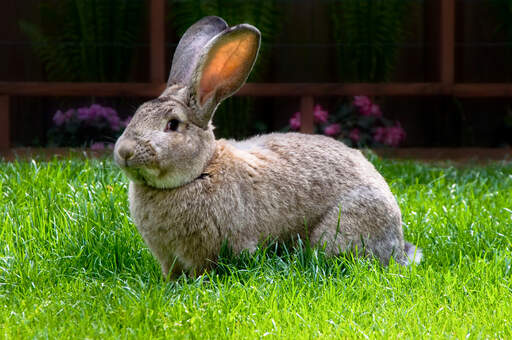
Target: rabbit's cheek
[156, 146]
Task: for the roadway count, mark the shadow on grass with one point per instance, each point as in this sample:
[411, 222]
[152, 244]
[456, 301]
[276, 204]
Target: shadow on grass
[278, 260]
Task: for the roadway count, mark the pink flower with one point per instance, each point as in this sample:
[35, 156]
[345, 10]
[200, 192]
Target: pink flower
[379, 134]
[395, 135]
[391, 136]
[332, 130]
[355, 135]
[320, 114]
[98, 146]
[375, 110]
[295, 121]
[362, 102]
[366, 107]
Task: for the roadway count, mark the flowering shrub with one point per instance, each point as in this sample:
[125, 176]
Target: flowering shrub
[360, 124]
[95, 126]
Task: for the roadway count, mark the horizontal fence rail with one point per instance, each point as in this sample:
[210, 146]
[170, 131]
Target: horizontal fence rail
[63, 89]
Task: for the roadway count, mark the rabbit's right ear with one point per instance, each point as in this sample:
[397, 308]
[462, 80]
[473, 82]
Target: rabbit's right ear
[223, 68]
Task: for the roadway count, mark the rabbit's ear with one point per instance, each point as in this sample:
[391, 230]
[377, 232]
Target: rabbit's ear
[191, 48]
[223, 68]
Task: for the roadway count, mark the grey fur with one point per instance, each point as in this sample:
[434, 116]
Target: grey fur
[190, 47]
[189, 193]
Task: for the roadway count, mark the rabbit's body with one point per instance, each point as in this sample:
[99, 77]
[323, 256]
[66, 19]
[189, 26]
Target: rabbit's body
[190, 193]
[275, 186]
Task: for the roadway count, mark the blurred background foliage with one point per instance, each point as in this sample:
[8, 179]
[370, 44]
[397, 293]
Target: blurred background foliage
[368, 34]
[86, 40]
[503, 12]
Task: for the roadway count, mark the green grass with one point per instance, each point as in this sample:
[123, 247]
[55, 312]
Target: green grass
[72, 265]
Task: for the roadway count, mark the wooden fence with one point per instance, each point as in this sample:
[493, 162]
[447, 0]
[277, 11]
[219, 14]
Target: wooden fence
[445, 86]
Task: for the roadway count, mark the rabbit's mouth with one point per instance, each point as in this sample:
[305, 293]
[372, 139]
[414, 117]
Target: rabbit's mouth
[151, 177]
[141, 175]
[135, 175]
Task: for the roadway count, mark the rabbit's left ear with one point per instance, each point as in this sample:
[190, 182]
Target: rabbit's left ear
[224, 67]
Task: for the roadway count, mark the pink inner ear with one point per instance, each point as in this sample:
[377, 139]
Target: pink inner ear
[227, 65]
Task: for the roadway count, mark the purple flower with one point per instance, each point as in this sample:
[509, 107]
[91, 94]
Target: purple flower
[108, 112]
[84, 113]
[69, 114]
[115, 122]
[124, 123]
[95, 116]
[59, 118]
[96, 111]
[332, 130]
[295, 121]
[320, 114]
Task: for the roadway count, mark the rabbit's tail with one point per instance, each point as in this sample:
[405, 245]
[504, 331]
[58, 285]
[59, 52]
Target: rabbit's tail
[413, 253]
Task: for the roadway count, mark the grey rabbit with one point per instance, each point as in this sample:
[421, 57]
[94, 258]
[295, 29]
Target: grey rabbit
[189, 193]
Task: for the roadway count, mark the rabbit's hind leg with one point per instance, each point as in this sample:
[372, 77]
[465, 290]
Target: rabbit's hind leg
[171, 268]
[347, 227]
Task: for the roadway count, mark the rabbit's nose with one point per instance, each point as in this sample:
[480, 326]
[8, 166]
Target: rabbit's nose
[126, 149]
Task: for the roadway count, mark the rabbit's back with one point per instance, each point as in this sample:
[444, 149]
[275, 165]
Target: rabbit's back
[317, 169]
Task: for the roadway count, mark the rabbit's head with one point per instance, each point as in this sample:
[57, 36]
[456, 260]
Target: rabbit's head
[170, 139]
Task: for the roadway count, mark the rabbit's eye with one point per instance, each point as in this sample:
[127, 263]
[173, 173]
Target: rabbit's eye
[172, 125]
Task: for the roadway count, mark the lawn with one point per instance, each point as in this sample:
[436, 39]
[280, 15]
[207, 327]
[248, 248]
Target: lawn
[72, 265]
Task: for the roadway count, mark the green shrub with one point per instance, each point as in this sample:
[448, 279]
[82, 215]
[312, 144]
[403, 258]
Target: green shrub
[368, 33]
[86, 40]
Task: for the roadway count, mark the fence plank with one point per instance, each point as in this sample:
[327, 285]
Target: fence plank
[447, 41]
[5, 138]
[157, 41]
[306, 114]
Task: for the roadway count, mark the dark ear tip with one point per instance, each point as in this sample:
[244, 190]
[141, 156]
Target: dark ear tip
[212, 20]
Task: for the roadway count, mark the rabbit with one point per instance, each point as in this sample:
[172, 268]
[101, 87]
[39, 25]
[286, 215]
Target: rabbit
[190, 193]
